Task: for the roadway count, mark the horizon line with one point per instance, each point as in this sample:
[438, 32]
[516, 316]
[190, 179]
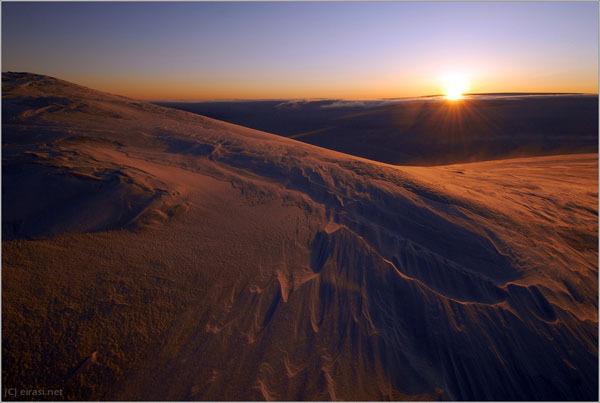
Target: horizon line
[386, 99]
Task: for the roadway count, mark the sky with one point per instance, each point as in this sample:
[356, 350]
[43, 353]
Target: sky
[353, 50]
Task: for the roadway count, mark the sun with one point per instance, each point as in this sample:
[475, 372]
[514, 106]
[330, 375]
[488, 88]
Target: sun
[455, 86]
[454, 92]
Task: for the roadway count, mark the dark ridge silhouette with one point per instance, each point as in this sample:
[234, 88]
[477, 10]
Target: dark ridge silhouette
[425, 131]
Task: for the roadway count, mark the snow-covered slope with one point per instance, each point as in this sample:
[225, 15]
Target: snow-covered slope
[150, 253]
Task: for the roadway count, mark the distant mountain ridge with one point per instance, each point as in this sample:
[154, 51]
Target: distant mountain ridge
[425, 131]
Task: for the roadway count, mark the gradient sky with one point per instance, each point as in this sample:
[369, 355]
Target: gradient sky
[195, 51]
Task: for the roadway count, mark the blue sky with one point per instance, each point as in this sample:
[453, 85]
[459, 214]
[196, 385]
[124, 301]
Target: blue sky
[292, 50]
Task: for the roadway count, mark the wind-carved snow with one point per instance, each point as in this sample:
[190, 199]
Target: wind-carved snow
[233, 264]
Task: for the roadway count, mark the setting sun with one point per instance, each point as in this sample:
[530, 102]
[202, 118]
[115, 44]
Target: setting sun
[455, 86]
[299, 200]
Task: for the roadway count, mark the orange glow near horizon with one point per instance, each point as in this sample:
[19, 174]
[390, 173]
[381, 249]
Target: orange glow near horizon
[201, 89]
[197, 51]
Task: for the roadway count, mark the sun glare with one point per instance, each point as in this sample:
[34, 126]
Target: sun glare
[455, 86]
